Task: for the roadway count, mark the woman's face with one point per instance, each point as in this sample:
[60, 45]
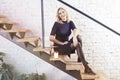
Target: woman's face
[62, 14]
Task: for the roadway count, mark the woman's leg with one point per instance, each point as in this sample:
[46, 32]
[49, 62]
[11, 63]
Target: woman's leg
[80, 54]
[81, 51]
[82, 58]
[75, 47]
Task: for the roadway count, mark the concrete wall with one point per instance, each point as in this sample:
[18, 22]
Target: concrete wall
[101, 46]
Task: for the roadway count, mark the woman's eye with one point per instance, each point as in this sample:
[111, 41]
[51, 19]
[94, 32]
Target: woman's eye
[59, 13]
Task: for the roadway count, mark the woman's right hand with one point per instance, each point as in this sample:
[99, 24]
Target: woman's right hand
[75, 42]
[65, 42]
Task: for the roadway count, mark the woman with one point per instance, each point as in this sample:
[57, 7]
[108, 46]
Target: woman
[60, 37]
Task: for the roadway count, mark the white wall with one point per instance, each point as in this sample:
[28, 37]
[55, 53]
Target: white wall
[26, 13]
[101, 46]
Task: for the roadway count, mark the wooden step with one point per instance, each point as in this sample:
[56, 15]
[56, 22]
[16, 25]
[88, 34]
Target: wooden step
[103, 76]
[28, 39]
[74, 65]
[3, 16]
[89, 77]
[1, 21]
[42, 49]
[8, 22]
[34, 40]
[15, 30]
[60, 58]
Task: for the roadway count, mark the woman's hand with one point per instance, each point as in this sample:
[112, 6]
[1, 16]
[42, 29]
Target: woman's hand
[75, 33]
[52, 38]
[75, 42]
[65, 42]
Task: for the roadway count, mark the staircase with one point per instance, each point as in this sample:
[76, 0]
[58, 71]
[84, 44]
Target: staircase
[33, 45]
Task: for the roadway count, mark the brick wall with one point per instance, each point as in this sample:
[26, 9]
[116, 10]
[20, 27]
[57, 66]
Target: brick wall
[101, 46]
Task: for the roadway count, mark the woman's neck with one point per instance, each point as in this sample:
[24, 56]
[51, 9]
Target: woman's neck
[64, 21]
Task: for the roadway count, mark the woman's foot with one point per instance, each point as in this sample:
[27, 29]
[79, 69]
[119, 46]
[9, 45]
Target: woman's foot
[89, 71]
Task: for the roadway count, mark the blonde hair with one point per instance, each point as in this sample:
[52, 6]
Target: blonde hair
[58, 18]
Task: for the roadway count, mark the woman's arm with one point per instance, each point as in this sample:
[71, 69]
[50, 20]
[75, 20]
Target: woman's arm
[75, 33]
[52, 38]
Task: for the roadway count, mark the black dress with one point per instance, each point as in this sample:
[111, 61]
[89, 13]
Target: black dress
[62, 33]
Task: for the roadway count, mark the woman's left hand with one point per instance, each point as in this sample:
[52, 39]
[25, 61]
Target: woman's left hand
[75, 42]
[65, 42]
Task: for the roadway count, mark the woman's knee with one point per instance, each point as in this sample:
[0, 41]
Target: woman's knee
[79, 38]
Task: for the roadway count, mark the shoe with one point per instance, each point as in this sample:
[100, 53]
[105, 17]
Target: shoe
[89, 71]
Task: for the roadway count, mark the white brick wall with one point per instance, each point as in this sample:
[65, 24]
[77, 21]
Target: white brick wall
[26, 13]
[101, 46]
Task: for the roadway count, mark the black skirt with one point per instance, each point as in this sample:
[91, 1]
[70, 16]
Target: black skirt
[65, 49]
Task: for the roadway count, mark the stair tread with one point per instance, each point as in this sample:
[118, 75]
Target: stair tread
[60, 58]
[55, 59]
[88, 76]
[2, 22]
[8, 22]
[63, 57]
[2, 16]
[15, 30]
[28, 39]
[73, 63]
[42, 49]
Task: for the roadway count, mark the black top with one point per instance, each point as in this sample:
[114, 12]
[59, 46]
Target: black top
[62, 31]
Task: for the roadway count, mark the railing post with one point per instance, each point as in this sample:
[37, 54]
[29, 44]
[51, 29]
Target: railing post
[42, 20]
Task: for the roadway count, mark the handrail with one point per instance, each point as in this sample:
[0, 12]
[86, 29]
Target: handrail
[90, 17]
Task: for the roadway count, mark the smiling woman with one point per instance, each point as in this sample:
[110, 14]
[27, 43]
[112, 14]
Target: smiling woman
[62, 15]
[60, 37]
